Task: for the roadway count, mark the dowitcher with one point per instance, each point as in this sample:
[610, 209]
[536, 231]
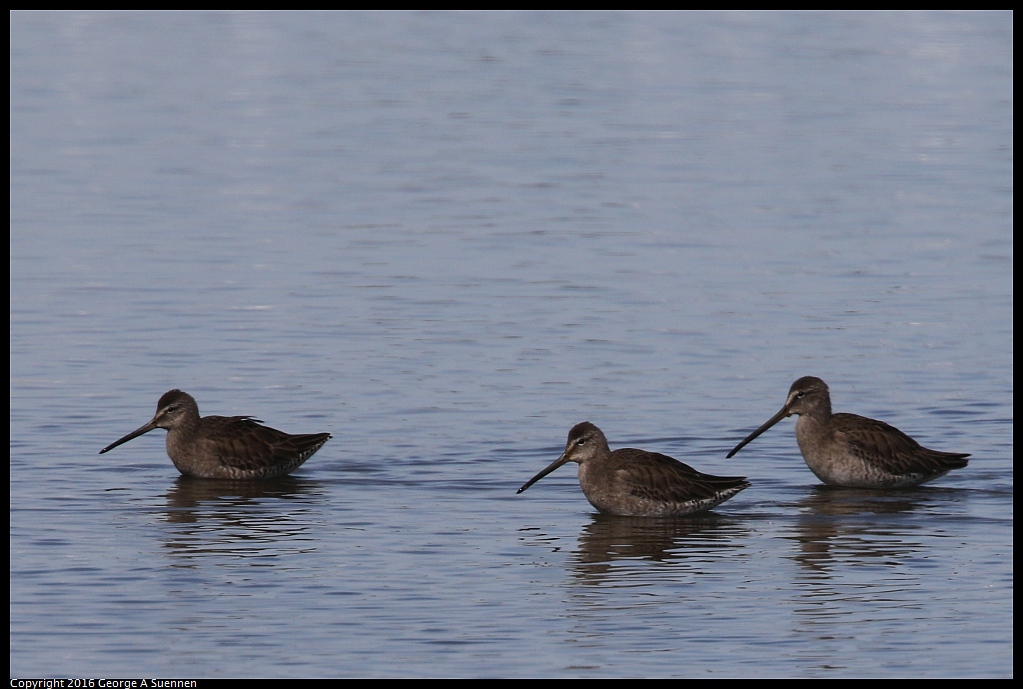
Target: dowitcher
[231, 447]
[854, 451]
[638, 483]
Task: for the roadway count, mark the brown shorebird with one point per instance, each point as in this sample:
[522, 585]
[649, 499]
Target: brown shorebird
[854, 451]
[232, 447]
[637, 483]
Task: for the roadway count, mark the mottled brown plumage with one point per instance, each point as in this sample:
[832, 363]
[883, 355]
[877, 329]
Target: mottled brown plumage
[854, 451]
[230, 447]
[634, 482]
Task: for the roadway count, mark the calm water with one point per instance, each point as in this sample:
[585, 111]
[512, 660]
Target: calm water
[447, 238]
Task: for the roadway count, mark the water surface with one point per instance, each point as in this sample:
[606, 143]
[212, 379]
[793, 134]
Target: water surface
[448, 238]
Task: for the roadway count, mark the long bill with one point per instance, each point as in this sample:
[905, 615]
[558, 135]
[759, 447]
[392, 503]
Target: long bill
[134, 434]
[773, 420]
[554, 465]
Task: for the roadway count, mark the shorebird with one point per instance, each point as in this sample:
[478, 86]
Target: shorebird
[231, 447]
[638, 483]
[854, 451]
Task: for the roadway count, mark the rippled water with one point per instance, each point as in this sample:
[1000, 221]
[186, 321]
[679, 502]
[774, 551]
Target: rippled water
[446, 239]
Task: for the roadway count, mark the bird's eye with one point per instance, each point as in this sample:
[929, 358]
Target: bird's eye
[580, 442]
[800, 394]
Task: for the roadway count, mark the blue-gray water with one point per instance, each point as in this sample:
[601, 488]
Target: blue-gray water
[447, 238]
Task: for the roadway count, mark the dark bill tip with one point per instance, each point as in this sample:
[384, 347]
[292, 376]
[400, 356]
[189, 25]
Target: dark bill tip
[134, 434]
[773, 420]
[554, 465]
